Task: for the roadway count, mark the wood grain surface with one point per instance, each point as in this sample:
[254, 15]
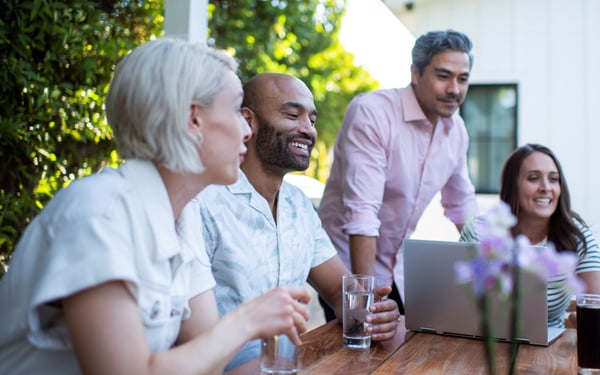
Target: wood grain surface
[323, 352]
[432, 354]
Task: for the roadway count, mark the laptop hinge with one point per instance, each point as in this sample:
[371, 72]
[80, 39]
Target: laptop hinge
[428, 330]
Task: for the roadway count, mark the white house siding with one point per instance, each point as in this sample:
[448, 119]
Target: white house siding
[551, 49]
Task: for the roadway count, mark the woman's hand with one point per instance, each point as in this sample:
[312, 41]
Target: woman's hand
[281, 310]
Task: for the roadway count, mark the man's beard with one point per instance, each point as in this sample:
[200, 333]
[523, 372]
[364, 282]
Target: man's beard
[272, 148]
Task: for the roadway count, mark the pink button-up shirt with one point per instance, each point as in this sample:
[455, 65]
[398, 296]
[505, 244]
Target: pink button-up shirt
[387, 167]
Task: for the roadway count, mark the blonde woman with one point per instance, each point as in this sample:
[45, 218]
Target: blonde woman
[112, 276]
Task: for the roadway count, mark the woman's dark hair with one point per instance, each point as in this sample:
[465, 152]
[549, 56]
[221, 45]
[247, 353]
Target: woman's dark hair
[562, 229]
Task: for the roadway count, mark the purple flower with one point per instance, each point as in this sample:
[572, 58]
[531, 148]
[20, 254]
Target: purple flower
[498, 258]
[491, 267]
[547, 263]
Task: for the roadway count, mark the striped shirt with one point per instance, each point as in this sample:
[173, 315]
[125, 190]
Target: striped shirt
[558, 296]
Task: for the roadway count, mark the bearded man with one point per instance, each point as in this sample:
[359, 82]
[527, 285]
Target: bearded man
[262, 232]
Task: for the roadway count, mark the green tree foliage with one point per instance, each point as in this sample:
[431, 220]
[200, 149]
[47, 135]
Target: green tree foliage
[57, 58]
[298, 37]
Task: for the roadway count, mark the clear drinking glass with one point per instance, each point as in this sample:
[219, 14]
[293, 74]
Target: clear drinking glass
[358, 296]
[278, 355]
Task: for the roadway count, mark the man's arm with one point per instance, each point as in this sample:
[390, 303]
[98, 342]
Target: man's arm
[362, 254]
[458, 194]
[326, 278]
[364, 161]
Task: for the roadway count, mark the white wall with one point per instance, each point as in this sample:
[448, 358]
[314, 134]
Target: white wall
[551, 49]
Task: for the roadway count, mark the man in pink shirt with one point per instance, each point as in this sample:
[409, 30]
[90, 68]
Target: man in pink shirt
[395, 150]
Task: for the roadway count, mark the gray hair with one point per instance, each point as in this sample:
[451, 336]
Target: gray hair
[434, 42]
[149, 100]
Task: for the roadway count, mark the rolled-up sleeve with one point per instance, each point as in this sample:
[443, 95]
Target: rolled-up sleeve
[364, 169]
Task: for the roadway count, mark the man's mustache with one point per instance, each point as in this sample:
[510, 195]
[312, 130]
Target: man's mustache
[450, 97]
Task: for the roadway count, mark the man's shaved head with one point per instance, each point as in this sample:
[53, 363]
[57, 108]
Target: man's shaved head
[264, 89]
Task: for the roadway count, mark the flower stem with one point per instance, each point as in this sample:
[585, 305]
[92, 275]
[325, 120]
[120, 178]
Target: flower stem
[515, 308]
[490, 344]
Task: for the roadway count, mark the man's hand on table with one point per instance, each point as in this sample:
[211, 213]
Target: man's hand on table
[384, 318]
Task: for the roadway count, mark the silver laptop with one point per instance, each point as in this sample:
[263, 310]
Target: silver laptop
[435, 302]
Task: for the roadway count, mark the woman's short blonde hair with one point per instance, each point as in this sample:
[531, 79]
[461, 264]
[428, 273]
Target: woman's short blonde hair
[149, 100]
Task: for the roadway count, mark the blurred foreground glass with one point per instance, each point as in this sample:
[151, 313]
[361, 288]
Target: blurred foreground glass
[278, 355]
[358, 296]
[588, 333]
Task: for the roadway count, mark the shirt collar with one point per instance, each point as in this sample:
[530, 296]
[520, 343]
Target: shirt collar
[143, 176]
[243, 187]
[413, 111]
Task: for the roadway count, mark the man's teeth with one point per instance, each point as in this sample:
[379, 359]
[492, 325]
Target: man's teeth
[299, 145]
[543, 200]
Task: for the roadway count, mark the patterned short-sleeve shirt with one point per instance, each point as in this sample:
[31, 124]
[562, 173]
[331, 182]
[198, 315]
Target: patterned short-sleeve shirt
[250, 252]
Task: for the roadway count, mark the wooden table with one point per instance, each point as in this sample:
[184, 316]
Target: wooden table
[425, 353]
[323, 353]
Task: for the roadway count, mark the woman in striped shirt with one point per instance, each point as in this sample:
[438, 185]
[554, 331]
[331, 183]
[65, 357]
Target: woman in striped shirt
[535, 188]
